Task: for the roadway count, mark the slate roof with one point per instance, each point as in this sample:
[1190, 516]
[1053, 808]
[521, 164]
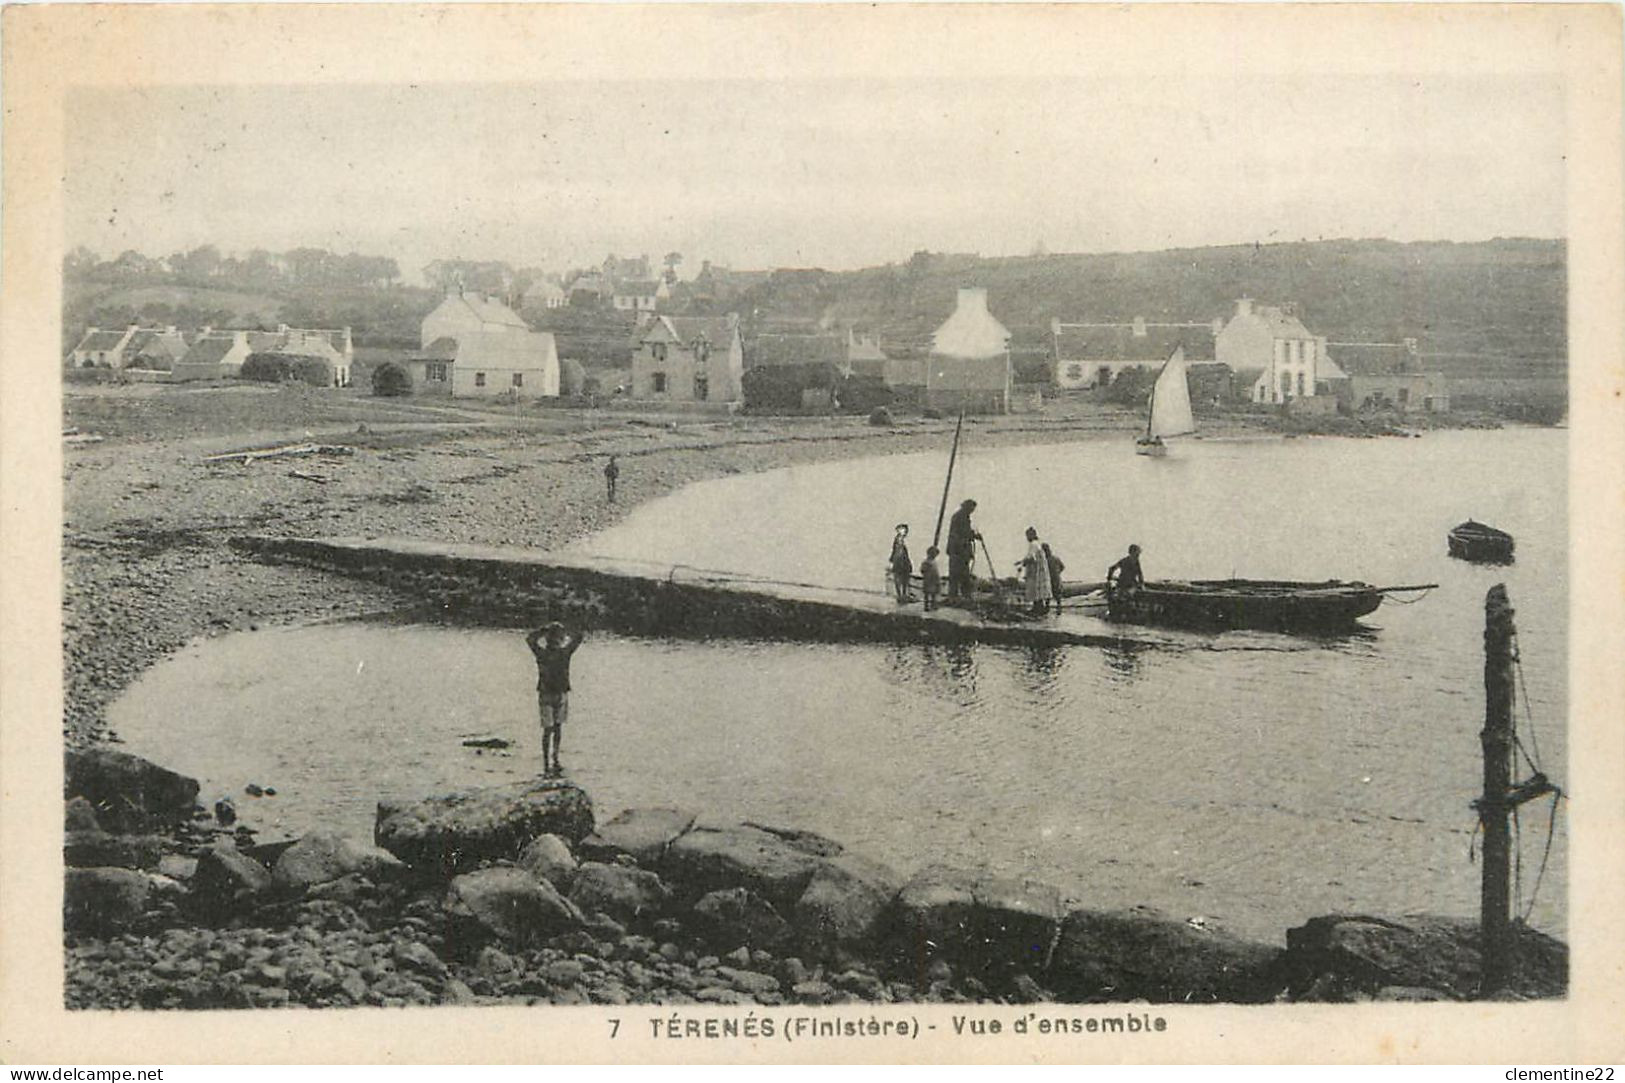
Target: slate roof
[1118, 342]
[1281, 323]
[209, 349]
[637, 289]
[717, 330]
[100, 340]
[485, 310]
[780, 350]
[1370, 358]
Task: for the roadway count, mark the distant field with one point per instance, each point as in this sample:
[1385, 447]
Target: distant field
[244, 308]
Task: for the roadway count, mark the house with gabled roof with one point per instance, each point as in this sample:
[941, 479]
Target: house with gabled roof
[1089, 355]
[688, 359]
[155, 349]
[102, 348]
[1292, 362]
[969, 367]
[218, 353]
[639, 295]
[488, 364]
[464, 311]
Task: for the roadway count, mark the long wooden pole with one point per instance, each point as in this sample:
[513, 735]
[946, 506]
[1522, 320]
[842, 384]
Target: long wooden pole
[942, 509]
[1493, 807]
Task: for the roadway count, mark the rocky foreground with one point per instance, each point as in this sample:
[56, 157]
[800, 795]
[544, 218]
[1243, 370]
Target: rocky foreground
[517, 895]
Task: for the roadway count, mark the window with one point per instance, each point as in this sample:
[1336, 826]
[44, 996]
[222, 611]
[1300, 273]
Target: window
[1300, 383]
[701, 386]
[659, 380]
[435, 370]
[1404, 396]
[519, 379]
[659, 350]
[479, 379]
[1074, 372]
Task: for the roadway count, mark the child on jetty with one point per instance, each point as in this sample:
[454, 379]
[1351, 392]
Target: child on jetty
[931, 578]
[902, 566]
[553, 686]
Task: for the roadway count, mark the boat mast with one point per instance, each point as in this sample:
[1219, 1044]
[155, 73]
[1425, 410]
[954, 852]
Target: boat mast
[936, 536]
[1151, 404]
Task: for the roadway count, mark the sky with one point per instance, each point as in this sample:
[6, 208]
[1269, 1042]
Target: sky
[835, 173]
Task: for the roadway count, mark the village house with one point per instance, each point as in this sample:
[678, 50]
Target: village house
[639, 295]
[850, 352]
[688, 359]
[969, 366]
[1272, 346]
[219, 353]
[1088, 355]
[487, 364]
[543, 293]
[1388, 375]
[464, 311]
[133, 347]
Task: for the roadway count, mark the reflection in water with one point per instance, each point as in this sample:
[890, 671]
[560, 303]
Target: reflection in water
[1123, 661]
[947, 671]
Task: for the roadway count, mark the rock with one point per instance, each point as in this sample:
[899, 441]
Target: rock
[493, 961]
[411, 955]
[177, 866]
[719, 996]
[227, 879]
[563, 972]
[351, 890]
[992, 920]
[1361, 955]
[806, 841]
[456, 833]
[549, 858]
[103, 900]
[127, 792]
[1134, 955]
[640, 833]
[711, 859]
[1409, 994]
[749, 981]
[622, 893]
[511, 904]
[456, 992]
[487, 742]
[1028, 991]
[846, 903]
[323, 856]
[80, 815]
[254, 789]
[89, 849]
[738, 915]
[739, 957]
[354, 987]
[813, 992]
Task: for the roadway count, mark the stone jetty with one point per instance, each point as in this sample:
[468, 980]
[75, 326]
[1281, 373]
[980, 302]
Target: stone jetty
[513, 584]
[518, 894]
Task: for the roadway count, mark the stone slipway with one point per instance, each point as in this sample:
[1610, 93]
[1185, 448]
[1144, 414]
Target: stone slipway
[518, 586]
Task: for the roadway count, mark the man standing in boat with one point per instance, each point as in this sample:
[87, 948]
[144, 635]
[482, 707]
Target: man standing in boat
[552, 649]
[1125, 575]
[962, 539]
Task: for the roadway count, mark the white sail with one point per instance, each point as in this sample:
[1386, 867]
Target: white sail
[1171, 399]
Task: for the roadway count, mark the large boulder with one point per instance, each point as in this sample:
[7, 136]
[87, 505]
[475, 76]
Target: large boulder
[1141, 955]
[227, 880]
[510, 904]
[738, 916]
[324, 856]
[1347, 956]
[641, 833]
[622, 893]
[846, 902]
[548, 858]
[79, 815]
[808, 842]
[103, 900]
[461, 831]
[976, 917]
[127, 792]
[710, 859]
[90, 849]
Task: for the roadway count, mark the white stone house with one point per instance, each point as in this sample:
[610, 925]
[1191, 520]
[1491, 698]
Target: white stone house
[1289, 360]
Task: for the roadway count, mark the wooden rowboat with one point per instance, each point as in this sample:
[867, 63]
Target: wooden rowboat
[1269, 605]
[1480, 543]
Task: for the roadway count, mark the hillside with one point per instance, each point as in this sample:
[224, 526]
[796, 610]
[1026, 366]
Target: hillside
[1497, 305]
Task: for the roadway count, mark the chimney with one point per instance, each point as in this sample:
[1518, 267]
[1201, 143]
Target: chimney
[1055, 325]
[282, 329]
[1218, 324]
[972, 298]
[349, 346]
[1139, 327]
[1410, 346]
[1244, 306]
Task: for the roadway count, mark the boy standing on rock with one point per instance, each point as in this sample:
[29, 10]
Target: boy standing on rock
[553, 686]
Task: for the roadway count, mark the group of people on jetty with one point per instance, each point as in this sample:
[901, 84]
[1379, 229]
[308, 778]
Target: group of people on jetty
[1040, 567]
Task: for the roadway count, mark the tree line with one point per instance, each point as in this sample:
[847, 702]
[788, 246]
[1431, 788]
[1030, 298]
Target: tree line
[259, 270]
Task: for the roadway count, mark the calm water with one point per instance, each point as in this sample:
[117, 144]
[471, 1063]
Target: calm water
[1252, 779]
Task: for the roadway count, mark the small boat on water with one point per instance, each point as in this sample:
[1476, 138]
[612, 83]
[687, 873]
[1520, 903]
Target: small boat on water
[1480, 544]
[1169, 411]
[1266, 605]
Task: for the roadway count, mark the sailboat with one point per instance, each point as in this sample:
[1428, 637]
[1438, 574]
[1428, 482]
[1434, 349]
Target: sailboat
[1169, 412]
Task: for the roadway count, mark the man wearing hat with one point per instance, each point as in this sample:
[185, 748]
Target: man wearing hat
[552, 649]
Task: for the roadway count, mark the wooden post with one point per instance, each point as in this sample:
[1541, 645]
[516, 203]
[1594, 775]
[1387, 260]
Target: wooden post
[942, 509]
[1493, 807]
